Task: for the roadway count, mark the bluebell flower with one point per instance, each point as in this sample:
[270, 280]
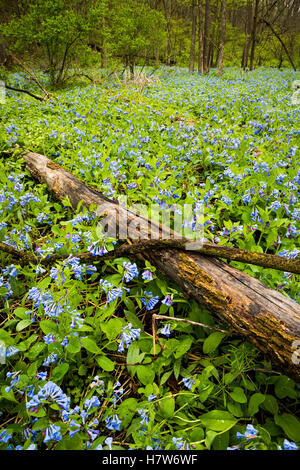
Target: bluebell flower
[188, 382]
[41, 375]
[149, 301]
[97, 249]
[151, 397]
[49, 338]
[147, 275]
[52, 433]
[166, 330]
[180, 443]
[117, 393]
[50, 359]
[289, 445]
[113, 423]
[250, 433]
[128, 335]
[130, 271]
[50, 392]
[11, 351]
[91, 403]
[4, 436]
[145, 417]
[167, 300]
[15, 378]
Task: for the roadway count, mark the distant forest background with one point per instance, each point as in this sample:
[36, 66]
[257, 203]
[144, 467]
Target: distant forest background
[59, 35]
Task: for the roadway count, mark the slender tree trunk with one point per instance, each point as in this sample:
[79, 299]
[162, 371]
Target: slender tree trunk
[200, 36]
[253, 33]
[246, 49]
[222, 37]
[193, 37]
[168, 9]
[206, 37]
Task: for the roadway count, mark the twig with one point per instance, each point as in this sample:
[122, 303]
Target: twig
[208, 249]
[20, 90]
[164, 317]
[32, 75]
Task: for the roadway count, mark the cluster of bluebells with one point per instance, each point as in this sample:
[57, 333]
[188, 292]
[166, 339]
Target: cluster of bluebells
[251, 440]
[254, 182]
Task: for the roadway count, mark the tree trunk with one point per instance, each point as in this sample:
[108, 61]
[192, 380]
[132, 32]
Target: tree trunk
[193, 37]
[222, 37]
[206, 37]
[253, 33]
[264, 316]
[200, 36]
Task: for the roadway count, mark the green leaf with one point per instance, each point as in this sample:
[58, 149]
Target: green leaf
[73, 345]
[212, 342]
[238, 395]
[270, 404]
[59, 371]
[105, 363]
[133, 319]
[133, 354]
[90, 345]
[290, 424]
[48, 326]
[112, 328]
[217, 420]
[23, 324]
[40, 424]
[210, 436]
[254, 402]
[221, 441]
[145, 374]
[183, 347]
[21, 312]
[36, 349]
[167, 406]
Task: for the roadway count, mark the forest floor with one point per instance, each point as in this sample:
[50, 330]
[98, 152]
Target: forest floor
[77, 368]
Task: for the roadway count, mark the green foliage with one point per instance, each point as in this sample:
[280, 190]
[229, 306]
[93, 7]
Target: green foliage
[82, 330]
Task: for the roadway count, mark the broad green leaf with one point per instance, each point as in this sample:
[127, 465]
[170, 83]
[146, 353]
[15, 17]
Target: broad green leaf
[23, 324]
[212, 342]
[238, 395]
[105, 363]
[73, 345]
[167, 406]
[184, 346]
[218, 420]
[254, 402]
[290, 424]
[48, 326]
[90, 345]
[59, 371]
[145, 374]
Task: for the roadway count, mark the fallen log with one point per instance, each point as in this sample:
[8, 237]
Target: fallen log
[264, 316]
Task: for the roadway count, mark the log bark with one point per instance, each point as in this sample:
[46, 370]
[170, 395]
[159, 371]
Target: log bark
[264, 316]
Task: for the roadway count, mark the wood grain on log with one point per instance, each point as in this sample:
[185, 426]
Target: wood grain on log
[264, 316]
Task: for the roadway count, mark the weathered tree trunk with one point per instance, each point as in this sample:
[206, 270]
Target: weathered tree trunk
[264, 316]
[222, 37]
[193, 37]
